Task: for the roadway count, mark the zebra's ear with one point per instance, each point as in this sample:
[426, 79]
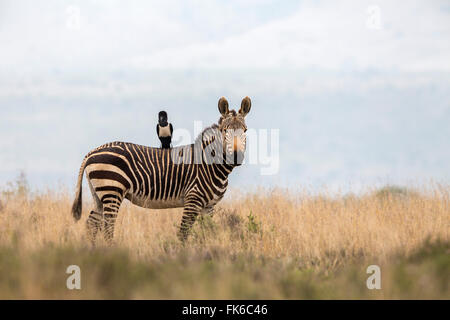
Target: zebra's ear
[223, 106]
[246, 105]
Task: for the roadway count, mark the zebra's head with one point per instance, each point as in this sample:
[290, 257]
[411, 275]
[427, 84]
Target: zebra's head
[232, 128]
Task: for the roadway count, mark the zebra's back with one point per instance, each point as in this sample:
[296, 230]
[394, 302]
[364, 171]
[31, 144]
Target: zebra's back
[146, 176]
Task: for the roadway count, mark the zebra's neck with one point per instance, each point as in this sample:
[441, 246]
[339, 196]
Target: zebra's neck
[210, 143]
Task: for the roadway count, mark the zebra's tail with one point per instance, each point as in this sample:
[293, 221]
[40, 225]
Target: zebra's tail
[77, 204]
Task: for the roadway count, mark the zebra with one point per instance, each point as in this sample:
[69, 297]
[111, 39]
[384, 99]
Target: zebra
[193, 176]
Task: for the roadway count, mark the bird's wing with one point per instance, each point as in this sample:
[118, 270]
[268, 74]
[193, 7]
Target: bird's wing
[157, 130]
[171, 129]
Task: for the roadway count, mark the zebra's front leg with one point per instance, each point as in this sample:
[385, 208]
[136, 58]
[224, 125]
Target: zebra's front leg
[190, 213]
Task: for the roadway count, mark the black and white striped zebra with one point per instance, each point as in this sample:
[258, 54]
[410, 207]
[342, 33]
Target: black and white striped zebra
[193, 176]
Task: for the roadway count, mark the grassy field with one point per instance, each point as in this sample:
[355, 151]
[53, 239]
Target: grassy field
[267, 245]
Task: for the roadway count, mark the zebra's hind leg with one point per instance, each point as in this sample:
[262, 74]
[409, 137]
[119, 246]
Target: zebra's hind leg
[93, 225]
[111, 206]
[108, 229]
[95, 219]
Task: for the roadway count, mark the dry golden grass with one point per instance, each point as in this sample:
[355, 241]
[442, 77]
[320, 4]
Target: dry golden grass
[260, 241]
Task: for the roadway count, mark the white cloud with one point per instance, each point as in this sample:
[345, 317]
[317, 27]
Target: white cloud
[327, 35]
[43, 57]
[330, 36]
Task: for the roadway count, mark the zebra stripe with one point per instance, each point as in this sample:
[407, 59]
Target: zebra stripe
[194, 176]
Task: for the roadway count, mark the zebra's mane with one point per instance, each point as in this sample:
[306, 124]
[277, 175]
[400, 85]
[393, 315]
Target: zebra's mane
[211, 128]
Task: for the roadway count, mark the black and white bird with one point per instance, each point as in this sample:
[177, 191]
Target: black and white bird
[164, 130]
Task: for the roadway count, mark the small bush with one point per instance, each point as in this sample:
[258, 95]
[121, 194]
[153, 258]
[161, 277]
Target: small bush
[204, 228]
[393, 192]
[19, 188]
[233, 220]
[253, 225]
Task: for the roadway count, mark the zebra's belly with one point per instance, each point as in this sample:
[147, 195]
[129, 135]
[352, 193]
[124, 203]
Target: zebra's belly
[155, 204]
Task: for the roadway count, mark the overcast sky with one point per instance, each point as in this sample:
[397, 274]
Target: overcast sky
[359, 90]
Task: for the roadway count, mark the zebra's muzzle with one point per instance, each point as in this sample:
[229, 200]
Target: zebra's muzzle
[238, 158]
